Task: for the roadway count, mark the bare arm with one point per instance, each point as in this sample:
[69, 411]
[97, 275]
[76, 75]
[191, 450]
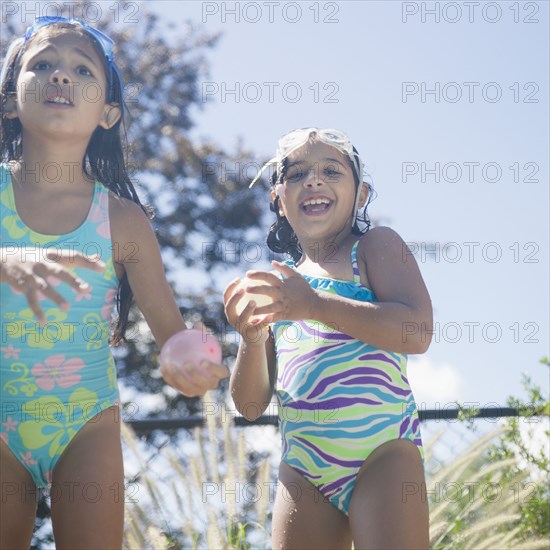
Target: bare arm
[253, 376]
[401, 321]
[132, 231]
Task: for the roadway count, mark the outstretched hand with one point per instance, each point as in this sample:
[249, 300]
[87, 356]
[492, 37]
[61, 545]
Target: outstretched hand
[31, 276]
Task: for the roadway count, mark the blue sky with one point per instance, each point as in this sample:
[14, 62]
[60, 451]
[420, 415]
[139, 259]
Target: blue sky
[488, 277]
[452, 122]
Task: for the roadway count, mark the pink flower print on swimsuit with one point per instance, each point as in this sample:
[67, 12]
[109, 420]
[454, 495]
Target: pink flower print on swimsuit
[10, 352]
[97, 215]
[110, 298]
[83, 296]
[27, 459]
[55, 370]
[10, 425]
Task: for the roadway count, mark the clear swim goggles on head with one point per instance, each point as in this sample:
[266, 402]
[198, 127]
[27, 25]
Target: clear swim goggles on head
[296, 138]
[103, 40]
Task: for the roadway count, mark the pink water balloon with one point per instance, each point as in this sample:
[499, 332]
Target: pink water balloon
[190, 346]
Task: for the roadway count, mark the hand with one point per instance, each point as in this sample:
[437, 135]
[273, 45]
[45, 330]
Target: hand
[252, 331]
[191, 380]
[293, 298]
[31, 276]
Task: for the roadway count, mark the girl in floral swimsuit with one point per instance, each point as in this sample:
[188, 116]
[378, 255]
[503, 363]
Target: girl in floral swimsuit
[75, 241]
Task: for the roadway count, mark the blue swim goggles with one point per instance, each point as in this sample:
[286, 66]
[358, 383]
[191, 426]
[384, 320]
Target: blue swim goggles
[106, 44]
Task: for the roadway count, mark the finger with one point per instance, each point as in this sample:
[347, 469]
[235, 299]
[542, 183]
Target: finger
[230, 288]
[231, 303]
[269, 320]
[74, 259]
[42, 272]
[178, 378]
[285, 269]
[55, 297]
[267, 276]
[80, 285]
[34, 304]
[217, 371]
[200, 378]
[275, 307]
[272, 292]
[247, 312]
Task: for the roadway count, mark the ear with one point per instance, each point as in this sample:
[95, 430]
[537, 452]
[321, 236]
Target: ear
[363, 195]
[10, 107]
[273, 197]
[110, 116]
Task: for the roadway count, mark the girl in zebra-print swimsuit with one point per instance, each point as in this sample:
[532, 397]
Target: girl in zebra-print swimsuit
[332, 344]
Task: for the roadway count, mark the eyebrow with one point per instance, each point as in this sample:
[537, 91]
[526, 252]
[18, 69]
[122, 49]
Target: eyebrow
[330, 159]
[77, 50]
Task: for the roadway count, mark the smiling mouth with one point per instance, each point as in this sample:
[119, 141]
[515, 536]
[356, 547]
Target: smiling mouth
[59, 100]
[315, 205]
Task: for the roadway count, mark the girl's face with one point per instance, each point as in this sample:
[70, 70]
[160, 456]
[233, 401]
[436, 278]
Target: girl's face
[61, 87]
[318, 192]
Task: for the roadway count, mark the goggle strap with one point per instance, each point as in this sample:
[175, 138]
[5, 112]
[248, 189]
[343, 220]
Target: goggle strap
[263, 169]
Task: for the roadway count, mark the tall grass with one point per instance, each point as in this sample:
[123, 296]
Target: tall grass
[202, 500]
[474, 503]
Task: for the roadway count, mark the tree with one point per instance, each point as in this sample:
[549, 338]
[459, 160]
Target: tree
[200, 202]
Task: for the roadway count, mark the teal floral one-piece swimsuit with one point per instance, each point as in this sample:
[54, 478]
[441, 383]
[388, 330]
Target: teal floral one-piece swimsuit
[56, 377]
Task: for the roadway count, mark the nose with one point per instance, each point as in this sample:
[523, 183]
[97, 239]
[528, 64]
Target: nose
[60, 77]
[312, 177]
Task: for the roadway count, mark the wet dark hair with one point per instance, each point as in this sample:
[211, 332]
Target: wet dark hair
[281, 237]
[104, 160]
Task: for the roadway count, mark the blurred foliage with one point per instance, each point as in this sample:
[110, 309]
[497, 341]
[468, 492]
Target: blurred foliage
[199, 192]
[202, 502]
[535, 510]
[501, 495]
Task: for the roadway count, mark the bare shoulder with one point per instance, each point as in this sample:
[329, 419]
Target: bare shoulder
[380, 239]
[380, 245]
[391, 268]
[122, 209]
[126, 217]
[131, 230]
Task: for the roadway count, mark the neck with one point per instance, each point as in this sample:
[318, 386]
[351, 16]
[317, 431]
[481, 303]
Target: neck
[324, 251]
[56, 164]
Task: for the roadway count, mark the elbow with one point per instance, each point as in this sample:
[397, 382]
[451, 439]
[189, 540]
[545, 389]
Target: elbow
[251, 411]
[417, 336]
[419, 346]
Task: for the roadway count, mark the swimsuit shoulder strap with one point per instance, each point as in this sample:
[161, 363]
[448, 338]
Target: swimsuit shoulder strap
[356, 274]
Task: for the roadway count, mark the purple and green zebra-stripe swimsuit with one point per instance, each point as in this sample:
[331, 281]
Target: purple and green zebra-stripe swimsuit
[57, 377]
[339, 398]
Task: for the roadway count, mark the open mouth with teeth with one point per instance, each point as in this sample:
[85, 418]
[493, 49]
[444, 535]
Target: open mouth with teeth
[316, 205]
[59, 100]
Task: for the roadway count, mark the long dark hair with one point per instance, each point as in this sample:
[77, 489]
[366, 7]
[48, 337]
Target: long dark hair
[281, 237]
[104, 160]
